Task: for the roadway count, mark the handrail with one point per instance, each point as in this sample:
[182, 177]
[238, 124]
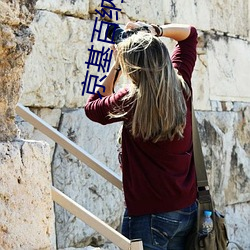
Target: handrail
[93, 221]
[70, 146]
[66, 202]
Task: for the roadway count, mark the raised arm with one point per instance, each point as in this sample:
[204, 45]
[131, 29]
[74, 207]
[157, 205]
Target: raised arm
[110, 81]
[178, 32]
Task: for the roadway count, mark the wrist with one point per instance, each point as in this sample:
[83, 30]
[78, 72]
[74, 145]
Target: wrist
[115, 68]
[115, 65]
[118, 68]
[158, 30]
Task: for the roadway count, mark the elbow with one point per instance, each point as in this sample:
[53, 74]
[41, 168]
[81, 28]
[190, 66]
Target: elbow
[93, 116]
[193, 31]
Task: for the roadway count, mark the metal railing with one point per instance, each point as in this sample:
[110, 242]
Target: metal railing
[66, 202]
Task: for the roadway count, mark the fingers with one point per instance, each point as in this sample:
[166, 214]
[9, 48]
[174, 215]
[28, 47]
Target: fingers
[132, 25]
[138, 24]
[114, 48]
[141, 23]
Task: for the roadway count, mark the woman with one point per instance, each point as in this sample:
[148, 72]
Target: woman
[157, 151]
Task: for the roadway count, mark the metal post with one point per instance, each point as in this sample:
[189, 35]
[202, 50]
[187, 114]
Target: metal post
[136, 245]
[93, 221]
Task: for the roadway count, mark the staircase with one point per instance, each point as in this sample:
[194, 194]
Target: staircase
[80, 212]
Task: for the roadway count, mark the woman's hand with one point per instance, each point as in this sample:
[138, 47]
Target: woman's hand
[138, 24]
[132, 25]
[114, 48]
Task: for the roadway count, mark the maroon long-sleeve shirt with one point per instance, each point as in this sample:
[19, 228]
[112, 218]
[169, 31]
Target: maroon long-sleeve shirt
[157, 177]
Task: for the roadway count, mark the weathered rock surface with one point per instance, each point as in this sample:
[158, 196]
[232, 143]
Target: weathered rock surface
[61, 65]
[26, 207]
[226, 143]
[229, 16]
[52, 81]
[78, 8]
[225, 139]
[237, 218]
[55, 78]
[82, 184]
[27, 131]
[15, 43]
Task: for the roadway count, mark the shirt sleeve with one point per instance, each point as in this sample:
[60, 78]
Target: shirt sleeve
[184, 55]
[99, 109]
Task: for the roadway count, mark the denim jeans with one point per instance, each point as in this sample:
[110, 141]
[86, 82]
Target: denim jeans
[161, 231]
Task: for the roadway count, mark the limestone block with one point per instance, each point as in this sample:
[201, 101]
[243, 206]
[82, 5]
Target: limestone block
[15, 13]
[51, 116]
[26, 207]
[200, 77]
[96, 4]
[238, 221]
[230, 16]
[225, 140]
[57, 66]
[190, 11]
[82, 184]
[151, 11]
[116, 14]
[15, 43]
[228, 62]
[7, 15]
[106, 246]
[243, 126]
[77, 8]
[28, 132]
[220, 74]
[207, 15]
[248, 20]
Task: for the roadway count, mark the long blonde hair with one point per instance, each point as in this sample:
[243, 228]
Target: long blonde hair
[160, 106]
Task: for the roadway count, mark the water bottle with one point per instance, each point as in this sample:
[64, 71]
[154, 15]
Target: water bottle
[207, 223]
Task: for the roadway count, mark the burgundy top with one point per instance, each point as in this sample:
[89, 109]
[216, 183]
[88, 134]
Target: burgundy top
[157, 177]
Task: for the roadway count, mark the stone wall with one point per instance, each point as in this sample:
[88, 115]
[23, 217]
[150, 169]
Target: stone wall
[52, 89]
[15, 43]
[26, 207]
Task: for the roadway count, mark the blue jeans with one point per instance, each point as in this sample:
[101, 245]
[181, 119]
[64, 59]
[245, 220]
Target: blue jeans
[161, 231]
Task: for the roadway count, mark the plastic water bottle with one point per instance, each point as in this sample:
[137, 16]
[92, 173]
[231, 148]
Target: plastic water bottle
[207, 223]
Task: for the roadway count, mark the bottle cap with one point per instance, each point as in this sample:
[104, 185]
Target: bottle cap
[207, 213]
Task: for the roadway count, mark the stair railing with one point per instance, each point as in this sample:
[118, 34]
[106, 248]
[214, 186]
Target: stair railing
[66, 202]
